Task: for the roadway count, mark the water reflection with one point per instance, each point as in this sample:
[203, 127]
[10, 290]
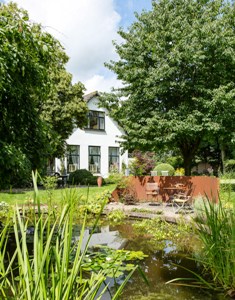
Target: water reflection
[159, 267]
[105, 236]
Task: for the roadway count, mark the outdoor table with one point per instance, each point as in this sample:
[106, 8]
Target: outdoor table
[171, 190]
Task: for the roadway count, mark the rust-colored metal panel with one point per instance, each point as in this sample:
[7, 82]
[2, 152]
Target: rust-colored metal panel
[196, 185]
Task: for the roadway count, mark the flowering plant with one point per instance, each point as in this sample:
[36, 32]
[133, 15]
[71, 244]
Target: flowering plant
[179, 172]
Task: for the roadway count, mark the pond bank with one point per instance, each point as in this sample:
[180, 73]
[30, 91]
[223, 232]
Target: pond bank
[148, 211]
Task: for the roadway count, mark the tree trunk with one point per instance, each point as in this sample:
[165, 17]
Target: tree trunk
[222, 159]
[188, 150]
[187, 164]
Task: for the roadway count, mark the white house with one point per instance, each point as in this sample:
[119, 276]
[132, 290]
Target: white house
[96, 147]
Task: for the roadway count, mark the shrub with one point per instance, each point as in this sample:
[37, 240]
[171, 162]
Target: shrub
[124, 182]
[230, 165]
[17, 171]
[142, 163]
[114, 178]
[165, 167]
[179, 172]
[175, 161]
[83, 177]
[50, 182]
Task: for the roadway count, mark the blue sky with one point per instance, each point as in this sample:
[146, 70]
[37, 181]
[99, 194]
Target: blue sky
[126, 9]
[86, 29]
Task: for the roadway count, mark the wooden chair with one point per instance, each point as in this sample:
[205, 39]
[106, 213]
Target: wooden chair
[177, 190]
[152, 190]
[183, 201]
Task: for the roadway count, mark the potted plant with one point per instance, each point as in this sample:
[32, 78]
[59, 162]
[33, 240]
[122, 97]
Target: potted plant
[99, 181]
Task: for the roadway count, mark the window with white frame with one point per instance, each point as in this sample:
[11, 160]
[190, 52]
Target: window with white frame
[113, 159]
[94, 159]
[73, 158]
[96, 120]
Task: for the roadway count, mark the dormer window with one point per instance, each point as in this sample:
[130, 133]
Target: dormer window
[96, 120]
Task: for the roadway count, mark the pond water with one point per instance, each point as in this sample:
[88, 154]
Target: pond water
[159, 267]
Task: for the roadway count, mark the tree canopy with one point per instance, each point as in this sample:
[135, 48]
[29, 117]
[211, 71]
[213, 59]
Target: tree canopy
[39, 106]
[64, 110]
[177, 65]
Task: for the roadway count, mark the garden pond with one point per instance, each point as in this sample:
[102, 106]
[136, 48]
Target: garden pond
[160, 265]
[163, 262]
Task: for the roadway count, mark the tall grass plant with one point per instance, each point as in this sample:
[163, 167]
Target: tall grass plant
[216, 229]
[53, 270]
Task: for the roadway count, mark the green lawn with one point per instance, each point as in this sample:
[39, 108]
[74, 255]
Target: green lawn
[23, 196]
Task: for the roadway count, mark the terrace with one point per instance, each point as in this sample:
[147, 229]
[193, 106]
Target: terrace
[165, 190]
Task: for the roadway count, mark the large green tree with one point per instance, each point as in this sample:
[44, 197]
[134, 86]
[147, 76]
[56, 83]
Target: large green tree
[177, 65]
[38, 103]
[64, 110]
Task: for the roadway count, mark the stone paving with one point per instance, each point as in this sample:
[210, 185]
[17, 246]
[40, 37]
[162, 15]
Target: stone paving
[149, 211]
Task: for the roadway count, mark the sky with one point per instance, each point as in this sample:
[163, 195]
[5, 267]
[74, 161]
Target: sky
[86, 29]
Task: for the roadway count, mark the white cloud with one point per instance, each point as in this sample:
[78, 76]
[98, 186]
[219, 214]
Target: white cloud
[104, 84]
[86, 29]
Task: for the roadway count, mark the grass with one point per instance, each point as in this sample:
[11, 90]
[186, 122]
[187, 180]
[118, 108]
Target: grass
[20, 197]
[147, 211]
[227, 188]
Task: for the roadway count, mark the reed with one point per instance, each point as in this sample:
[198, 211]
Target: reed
[216, 229]
[53, 270]
[215, 226]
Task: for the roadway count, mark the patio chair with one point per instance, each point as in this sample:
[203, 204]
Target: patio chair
[175, 191]
[183, 201]
[152, 190]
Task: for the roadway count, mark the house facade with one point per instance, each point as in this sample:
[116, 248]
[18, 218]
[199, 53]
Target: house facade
[95, 147]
